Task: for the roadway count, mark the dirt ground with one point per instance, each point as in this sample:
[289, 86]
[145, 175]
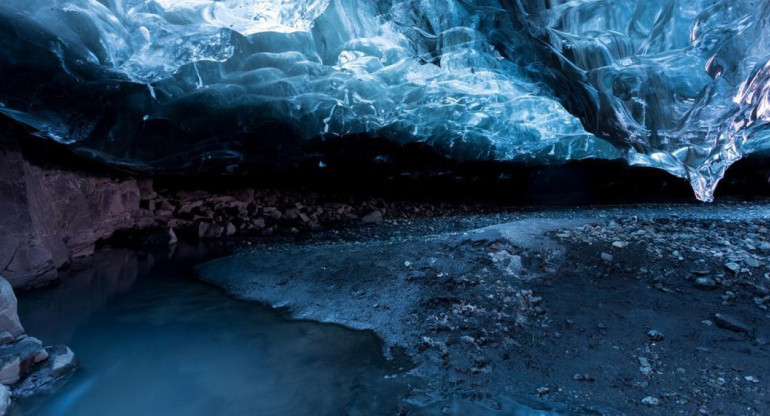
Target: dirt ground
[646, 310]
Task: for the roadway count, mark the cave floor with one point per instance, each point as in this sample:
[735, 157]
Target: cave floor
[654, 309]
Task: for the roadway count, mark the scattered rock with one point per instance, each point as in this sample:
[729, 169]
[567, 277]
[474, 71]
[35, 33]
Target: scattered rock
[583, 377]
[730, 323]
[5, 399]
[651, 401]
[655, 336]
[372, 217]
[705, 283]
[644, 366]
[733, 267]
[619, 244]
[751, 262]
[751, 379]
[607, 257]
[60, 363]
[542, 391]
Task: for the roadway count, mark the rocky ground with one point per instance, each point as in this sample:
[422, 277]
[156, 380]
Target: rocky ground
[657, 310]
[26, 367]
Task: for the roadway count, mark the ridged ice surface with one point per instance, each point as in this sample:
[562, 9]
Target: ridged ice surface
[681, 85]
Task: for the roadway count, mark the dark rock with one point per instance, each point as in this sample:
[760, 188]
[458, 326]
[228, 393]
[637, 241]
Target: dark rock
[6, 338]
[730, 323]
[733, 267]
[17, 359]
[372, 217]
[705, 283]
[61, 361]
[5, 399]
[655, 335]
[209, 231]
[9, 319]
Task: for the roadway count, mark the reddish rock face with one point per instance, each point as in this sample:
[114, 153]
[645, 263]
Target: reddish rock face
[51, 215]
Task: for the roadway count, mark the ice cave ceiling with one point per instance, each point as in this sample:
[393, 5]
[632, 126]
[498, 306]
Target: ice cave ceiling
[681, 85]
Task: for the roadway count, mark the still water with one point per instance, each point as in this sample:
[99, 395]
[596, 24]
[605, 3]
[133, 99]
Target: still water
[153, 341]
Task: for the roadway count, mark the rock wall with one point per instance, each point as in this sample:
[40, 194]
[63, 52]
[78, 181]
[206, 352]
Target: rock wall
[51, 215]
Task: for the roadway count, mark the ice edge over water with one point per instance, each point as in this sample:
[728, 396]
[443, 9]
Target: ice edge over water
[682, 86]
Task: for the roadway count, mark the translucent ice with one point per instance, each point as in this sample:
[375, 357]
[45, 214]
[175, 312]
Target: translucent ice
[678, 85]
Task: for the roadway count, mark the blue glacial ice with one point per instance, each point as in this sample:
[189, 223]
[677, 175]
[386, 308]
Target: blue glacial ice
[680, 85]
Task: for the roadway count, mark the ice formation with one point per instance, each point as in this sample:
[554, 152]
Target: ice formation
[680, 85]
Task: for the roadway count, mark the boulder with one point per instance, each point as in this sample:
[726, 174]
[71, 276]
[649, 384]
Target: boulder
[9, 319]
[372, 217]
[60, 363]
[5, 399]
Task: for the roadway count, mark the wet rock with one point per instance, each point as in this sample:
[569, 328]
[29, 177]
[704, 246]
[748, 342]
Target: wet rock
[705, 283]
[731, 323]
[651, 401]
[60, 363]
[9, 319]
[372, 217]
[258, 223]
[655, 335]
[16, 359]
[644, 366]
[733, 267]
[607, 257]
[5, 399]
[210, 231]
[10, 370]
[751, 262]
[509, 263]
[583, 377]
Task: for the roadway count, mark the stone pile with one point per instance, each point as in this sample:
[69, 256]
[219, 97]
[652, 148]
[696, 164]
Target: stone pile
[26, 366]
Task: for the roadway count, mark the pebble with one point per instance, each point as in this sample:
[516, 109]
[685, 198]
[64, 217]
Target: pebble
[651, 401]
[583, 377]
[733, 267]
[655, 336]
[619, 244]
[730, 323]
[752, 262]
[372, 217]
[607, 257]
[644, 366]
[705, 283]
[541, 391]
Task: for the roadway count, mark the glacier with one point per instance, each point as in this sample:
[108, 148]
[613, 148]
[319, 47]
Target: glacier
[679, 85]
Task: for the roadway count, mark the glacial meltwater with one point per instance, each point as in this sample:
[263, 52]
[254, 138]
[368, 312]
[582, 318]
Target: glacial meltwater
[154, 341]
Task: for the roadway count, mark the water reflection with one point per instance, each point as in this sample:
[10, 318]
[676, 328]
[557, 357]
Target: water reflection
[153, 342]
